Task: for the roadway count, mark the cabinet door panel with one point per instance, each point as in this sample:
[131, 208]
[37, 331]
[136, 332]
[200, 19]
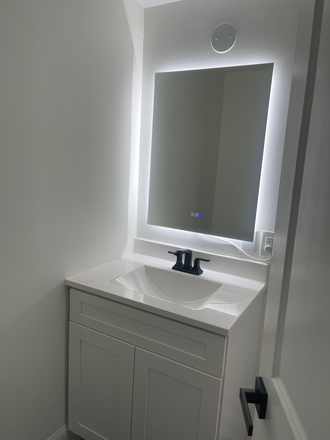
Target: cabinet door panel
[172, 401]
[100, 385]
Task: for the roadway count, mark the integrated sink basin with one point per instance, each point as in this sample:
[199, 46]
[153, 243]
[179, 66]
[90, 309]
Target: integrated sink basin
[168, 285]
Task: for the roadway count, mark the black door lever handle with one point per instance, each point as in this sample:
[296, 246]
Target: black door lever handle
[258, 396]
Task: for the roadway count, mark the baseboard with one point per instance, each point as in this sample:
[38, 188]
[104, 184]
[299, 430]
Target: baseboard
[64, 434]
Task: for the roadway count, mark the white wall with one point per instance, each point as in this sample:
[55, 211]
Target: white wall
[177, 37]
[65, 116]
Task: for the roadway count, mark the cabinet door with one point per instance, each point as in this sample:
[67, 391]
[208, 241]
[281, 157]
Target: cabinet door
[100, 385]
[172, 401]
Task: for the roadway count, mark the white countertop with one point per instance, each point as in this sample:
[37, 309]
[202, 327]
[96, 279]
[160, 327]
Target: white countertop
[218, 316]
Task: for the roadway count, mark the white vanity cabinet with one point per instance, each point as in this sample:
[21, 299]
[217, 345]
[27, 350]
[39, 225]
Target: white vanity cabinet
[137, 375]
[134, 375]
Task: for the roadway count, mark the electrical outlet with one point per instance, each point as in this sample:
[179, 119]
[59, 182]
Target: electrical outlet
[267, 240]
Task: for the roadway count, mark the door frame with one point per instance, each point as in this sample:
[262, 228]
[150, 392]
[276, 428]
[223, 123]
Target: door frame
[300, 107]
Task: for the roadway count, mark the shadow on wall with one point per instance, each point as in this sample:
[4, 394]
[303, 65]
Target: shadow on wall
[65, 134]
[35, 365]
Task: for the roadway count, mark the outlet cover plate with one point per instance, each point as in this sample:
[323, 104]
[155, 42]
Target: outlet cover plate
[264, 235]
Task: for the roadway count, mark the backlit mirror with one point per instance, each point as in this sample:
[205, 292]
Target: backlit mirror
[207, 147]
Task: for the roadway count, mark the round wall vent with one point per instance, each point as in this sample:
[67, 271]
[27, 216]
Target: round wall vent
[223, 38]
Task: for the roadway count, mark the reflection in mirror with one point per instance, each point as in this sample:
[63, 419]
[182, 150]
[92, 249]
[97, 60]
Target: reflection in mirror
[207, 147]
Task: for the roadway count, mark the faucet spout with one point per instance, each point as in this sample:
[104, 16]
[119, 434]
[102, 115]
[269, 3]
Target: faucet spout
[187, 258]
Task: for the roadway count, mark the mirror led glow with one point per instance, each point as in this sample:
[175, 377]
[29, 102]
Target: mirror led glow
[207, 148]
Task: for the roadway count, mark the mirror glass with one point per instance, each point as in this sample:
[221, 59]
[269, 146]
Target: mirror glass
[207, 147]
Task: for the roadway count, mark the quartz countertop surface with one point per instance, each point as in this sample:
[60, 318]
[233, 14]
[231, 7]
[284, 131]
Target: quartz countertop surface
[218, 315]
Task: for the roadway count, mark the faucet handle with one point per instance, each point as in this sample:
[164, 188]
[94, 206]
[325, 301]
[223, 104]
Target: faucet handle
[178, 255]
[197, 270]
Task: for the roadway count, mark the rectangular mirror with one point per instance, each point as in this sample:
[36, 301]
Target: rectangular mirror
[207, 147]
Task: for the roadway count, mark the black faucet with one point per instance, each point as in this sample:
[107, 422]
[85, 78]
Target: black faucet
[186, 266]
